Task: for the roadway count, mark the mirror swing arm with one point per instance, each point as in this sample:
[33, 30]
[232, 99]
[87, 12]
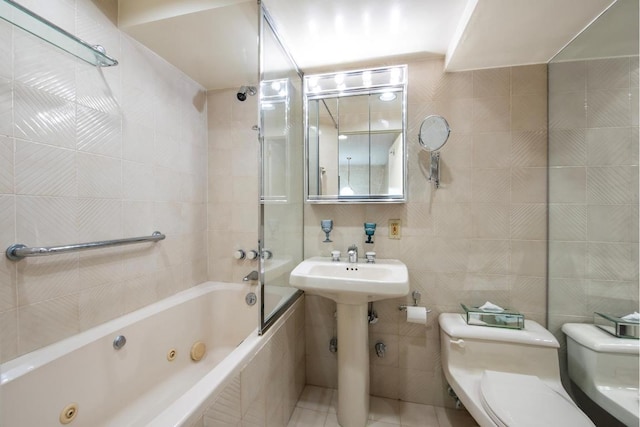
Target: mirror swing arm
[434, 133]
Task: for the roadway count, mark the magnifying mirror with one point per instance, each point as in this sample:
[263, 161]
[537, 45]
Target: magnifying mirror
[434, 133]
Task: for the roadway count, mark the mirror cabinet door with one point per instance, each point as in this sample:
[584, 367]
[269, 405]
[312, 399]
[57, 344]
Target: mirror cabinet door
[356, 147]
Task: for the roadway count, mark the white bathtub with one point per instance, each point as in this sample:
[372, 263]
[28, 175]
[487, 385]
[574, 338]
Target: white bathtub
[137, 385]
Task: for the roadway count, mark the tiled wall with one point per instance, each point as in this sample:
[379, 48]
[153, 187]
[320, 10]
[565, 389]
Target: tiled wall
[233, 184]
[89, 154]
[481, 236]
[593, 189]
[266, 390]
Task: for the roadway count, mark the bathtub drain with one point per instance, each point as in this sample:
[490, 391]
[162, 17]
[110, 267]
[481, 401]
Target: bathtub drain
[251, 298]
[69, 413]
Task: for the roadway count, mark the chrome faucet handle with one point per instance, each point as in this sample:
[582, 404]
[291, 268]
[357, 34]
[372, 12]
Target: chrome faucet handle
[335, 256]
[371, 257]
[352, 251]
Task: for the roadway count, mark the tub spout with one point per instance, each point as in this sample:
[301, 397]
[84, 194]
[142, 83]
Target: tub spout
[251, 276]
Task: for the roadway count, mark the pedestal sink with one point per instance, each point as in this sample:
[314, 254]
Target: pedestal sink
[352, 286]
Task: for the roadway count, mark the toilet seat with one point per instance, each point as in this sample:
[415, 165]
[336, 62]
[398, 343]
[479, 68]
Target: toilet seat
[507, 405]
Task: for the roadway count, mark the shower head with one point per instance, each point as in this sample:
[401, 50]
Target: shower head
[242, 92]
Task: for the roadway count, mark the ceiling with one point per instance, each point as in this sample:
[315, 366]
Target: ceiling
[215, 41]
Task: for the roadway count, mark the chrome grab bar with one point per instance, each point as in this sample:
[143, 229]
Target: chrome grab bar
[18, 251]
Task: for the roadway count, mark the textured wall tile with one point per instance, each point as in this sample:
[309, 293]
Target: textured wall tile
[568, 259]
[491, 185]
[490, 221]
[612, 297]
[6, 165]
[44, 171]
[568, 296]
[612, 223]
[491, 114]
[8, 269]
[612, 185]
[609, 73]
[528, 258]
[567, 185]
[609, 108]
[44, 68]
[491, 82]
[567, 110]
[567, 77]
[529, 79]
[529, 112]
[99, 177]
[6, 107]
[528, 185]
[568, 222]
[99, 219]
[99, 132]
[529, 148]
[528, 221]
[611, 146]
[612, 261]
[46, 220]
[44, 117]
[47, 322]
[567, 147]
[454, 85]
[6, 50]
[492, 150]
[9, 334]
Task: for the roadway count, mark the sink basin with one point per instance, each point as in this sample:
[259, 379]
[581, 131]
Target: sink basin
[351, 283]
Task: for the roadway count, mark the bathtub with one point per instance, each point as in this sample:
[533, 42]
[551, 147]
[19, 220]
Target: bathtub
[152, 379]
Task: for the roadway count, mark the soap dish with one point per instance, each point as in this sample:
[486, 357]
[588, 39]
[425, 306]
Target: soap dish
[509, 319]
[617, 326]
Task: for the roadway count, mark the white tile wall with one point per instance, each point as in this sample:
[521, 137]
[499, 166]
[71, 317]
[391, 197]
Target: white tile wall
[90, 154]
[481, 236]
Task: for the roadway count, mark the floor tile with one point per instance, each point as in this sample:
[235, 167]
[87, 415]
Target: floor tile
[307, 418]
[454, 418]
[416, 415]
[384, 410]
[315, 398]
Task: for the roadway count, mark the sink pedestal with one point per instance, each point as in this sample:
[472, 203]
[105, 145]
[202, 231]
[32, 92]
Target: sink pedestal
[353, 365]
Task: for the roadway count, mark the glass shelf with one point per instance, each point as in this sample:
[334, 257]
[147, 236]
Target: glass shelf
[617, 326]
[508, 319]
[51, 33]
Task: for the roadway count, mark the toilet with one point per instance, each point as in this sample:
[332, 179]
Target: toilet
[605, 368]
[507, 377]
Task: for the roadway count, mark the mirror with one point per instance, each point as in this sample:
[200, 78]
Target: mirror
[355, 136]
[434, 133]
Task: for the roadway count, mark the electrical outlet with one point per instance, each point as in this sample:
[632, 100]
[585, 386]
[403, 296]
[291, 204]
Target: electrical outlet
[395, 229]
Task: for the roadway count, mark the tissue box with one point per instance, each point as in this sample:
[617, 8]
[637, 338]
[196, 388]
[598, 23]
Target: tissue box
[616, 326]
[509, 319]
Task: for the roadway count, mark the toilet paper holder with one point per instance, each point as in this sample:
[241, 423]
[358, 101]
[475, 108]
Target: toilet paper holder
[416, 297]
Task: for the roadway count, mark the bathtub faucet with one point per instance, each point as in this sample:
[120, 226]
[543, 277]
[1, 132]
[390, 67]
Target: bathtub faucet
[251, 276]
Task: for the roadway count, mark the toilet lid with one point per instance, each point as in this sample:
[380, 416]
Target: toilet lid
[516, 400]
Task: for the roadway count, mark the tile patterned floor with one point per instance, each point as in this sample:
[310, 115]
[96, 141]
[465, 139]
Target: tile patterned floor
[317, 408]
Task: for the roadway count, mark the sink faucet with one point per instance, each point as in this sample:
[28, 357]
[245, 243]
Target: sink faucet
[352, 252]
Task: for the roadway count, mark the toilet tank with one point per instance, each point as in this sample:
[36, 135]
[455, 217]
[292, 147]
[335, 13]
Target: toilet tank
[532, 350]
[596, 358]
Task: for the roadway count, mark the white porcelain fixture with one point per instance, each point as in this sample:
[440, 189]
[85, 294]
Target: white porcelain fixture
[352, 286]
[138, 384]
[605, 368]
[352, 283]
[507, 377]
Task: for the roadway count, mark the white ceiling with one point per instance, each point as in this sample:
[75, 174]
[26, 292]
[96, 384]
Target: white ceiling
[215, 41]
